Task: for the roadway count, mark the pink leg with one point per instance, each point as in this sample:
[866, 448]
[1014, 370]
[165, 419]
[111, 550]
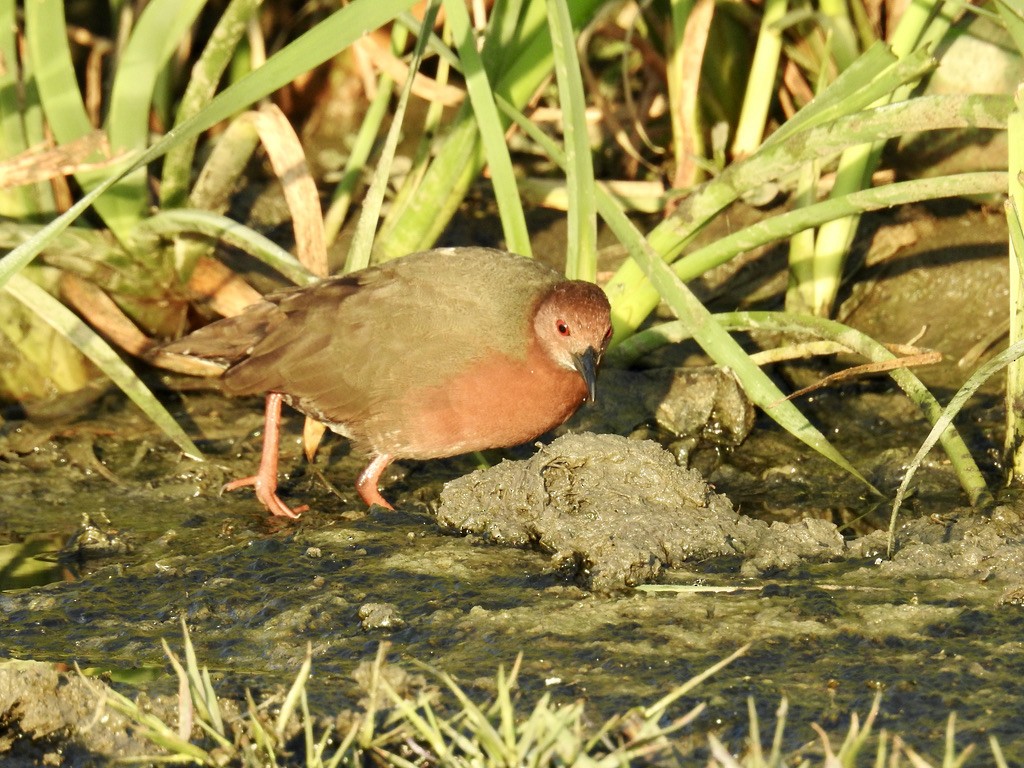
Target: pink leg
[369, 479]
[265, 479]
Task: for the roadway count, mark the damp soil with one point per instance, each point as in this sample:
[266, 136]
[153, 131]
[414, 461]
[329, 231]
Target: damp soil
[663, 531]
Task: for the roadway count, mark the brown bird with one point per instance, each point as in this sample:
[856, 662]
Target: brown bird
[432, 355]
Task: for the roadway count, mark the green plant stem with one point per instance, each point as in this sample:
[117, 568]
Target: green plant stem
[1015, 370]
[492, 130]
[715, 341]
[801, 244]
[341, 198]
[99, 352]
[213, 225]
[843, 38]
[1012, 14]
[581, 253]
[941, 426]
[923, 23]
[155, 36]
[57, 90]
[875, 73]
[202, 85]
[314, 47]
[22, 201]
[761, 84]
[783, 225]
[361, 248]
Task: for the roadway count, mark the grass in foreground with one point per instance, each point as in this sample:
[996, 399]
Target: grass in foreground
[407, 730]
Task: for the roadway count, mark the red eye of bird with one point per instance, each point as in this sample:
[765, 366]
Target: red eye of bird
[563, 327]
[607, 336]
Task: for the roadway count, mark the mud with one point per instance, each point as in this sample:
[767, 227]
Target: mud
[614, 512]
[52, 718]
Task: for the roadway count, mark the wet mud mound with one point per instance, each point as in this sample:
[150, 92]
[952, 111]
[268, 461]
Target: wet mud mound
[614, 512]
[49, 718]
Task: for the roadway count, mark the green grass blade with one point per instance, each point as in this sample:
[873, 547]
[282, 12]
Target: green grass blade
[659, 708]
[501, 34]
[1015, 222]
[366, 138]
[485, 735]
[99, 352]
[492, 130]
[417, 723]
[1014, 211]
[801, 244]
[18, 257]
[291, 700]
[362, 241]
[20, 202]
[328, 38]
[46, 35]
[979, 377]
[923, 23]
[419, 222]
[155, 730]
[194, 673]
[874, 74]
[419, 216]
[159, 30]
[716, 341]
[56, 84]
[761, 83]
[843, 42]
[810, 135]
[185, 220]
[997, 752]
[505, 710]
[581, 256]
[967, 471]
[790, 223]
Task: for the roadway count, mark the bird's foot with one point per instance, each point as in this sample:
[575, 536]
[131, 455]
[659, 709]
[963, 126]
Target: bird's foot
[366, 484]
[267, 494]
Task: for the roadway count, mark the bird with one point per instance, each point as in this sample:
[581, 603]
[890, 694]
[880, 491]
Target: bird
[427, 356]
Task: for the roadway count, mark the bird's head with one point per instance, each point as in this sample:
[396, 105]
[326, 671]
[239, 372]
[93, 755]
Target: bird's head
[573, 325]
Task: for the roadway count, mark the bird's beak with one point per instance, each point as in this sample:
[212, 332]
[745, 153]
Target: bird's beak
[586, 364]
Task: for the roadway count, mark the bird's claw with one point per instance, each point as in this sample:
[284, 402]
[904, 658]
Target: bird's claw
[267, 496]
